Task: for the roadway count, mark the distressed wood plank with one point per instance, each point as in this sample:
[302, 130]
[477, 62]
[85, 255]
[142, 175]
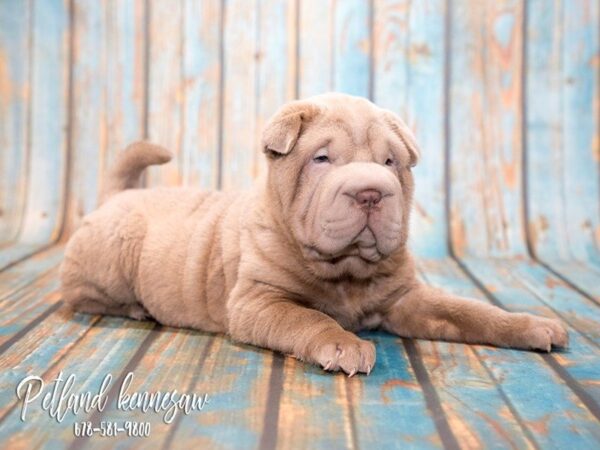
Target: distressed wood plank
[21, 275]
[563, 142]
[352, 47]
[524, 286]
[582, 127]
[276, 68]
[408, 54]
[239, 95]
[39, 350]
[202, 72]
[236, 378]
[172, 362]
[583, 275]
[108, 86]
[493, 420]
[311, 399]
[391, 394]
[315, 41]
[88, 127]
[49, 95]
[166, 87]
[316, 402]
[125, 70]
[25, 306]
[15, 19]
[485, 121]
[47, 133]
[90, 360]
[548, 408]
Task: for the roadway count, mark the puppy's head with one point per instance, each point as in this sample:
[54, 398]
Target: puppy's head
[340, 179]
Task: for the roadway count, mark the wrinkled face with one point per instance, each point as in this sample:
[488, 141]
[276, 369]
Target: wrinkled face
[344, 183]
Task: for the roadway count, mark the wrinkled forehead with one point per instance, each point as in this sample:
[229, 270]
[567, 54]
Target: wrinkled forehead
[356, 129]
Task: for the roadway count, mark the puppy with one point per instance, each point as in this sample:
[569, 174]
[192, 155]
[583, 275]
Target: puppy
[316, 251]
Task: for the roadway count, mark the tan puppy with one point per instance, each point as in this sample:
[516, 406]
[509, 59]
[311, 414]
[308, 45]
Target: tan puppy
[316, 251]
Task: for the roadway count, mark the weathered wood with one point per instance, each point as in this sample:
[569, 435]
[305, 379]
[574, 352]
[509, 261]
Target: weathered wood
[408, 53]
[47, 130]
[15, 20]
[527, 287]
[90, 361]
[352, 47]
[185, 352]
[239, 92]
[38, 350]
[108, 88]
[202, 71]
[166, 87]
[276, 68]
[485, 97]
[22, 275]
[522, 158]
[314, 402]
[88, 128]
[549, 410]
[447, 363]
[391, 394]
[563, 147]
[315, 47]
[237, 379]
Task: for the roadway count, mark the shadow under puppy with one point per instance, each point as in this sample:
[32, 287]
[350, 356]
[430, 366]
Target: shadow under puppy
[315, 251]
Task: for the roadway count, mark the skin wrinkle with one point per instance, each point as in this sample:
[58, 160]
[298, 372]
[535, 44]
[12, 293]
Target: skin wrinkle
[213, 246]
[294, 264]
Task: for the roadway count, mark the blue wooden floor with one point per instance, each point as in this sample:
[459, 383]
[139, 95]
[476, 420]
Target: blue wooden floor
[504, 97]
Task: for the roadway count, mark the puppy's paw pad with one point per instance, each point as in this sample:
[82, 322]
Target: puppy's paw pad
[350, 354]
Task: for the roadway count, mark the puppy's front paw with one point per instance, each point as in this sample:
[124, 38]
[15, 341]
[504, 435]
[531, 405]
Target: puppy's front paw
[541, 333]
[344, 351]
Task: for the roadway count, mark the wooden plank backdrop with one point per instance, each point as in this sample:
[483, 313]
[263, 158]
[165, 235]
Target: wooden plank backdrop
[504, 98]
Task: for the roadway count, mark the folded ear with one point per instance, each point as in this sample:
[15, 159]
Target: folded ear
[400, 128]
[283, 129]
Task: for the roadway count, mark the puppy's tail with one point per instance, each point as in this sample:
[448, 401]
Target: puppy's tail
[126, 171]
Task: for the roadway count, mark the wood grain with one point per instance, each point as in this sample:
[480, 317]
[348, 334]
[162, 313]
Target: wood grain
[485, 125]
[503, 98]
[408, 54]
[15, 20]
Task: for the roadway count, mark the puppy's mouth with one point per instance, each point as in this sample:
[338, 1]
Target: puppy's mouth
[368, 255]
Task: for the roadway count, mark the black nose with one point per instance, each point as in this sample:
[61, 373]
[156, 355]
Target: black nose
[368, 197]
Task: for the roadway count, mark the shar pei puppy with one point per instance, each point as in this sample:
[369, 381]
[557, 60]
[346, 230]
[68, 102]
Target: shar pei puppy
[316, 251]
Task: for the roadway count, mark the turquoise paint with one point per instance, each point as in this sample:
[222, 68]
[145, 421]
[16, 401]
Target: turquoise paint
[522, 287]
[334, 50]
[93, 361]
[22, 275]
[165, 88]
[239, 95]
[485, 135]
[462, 381]
[545, 399]
[14, 95]
[229, 420]
[48, 138]
[351, 44]
[562, 121]
[409, 80]
[201, 74]
[89, 128]
[405, 408]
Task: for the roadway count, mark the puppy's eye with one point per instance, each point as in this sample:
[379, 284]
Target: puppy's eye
[321, 159]
[389, 162]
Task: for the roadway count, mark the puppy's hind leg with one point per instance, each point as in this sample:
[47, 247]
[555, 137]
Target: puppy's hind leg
[88, 299]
